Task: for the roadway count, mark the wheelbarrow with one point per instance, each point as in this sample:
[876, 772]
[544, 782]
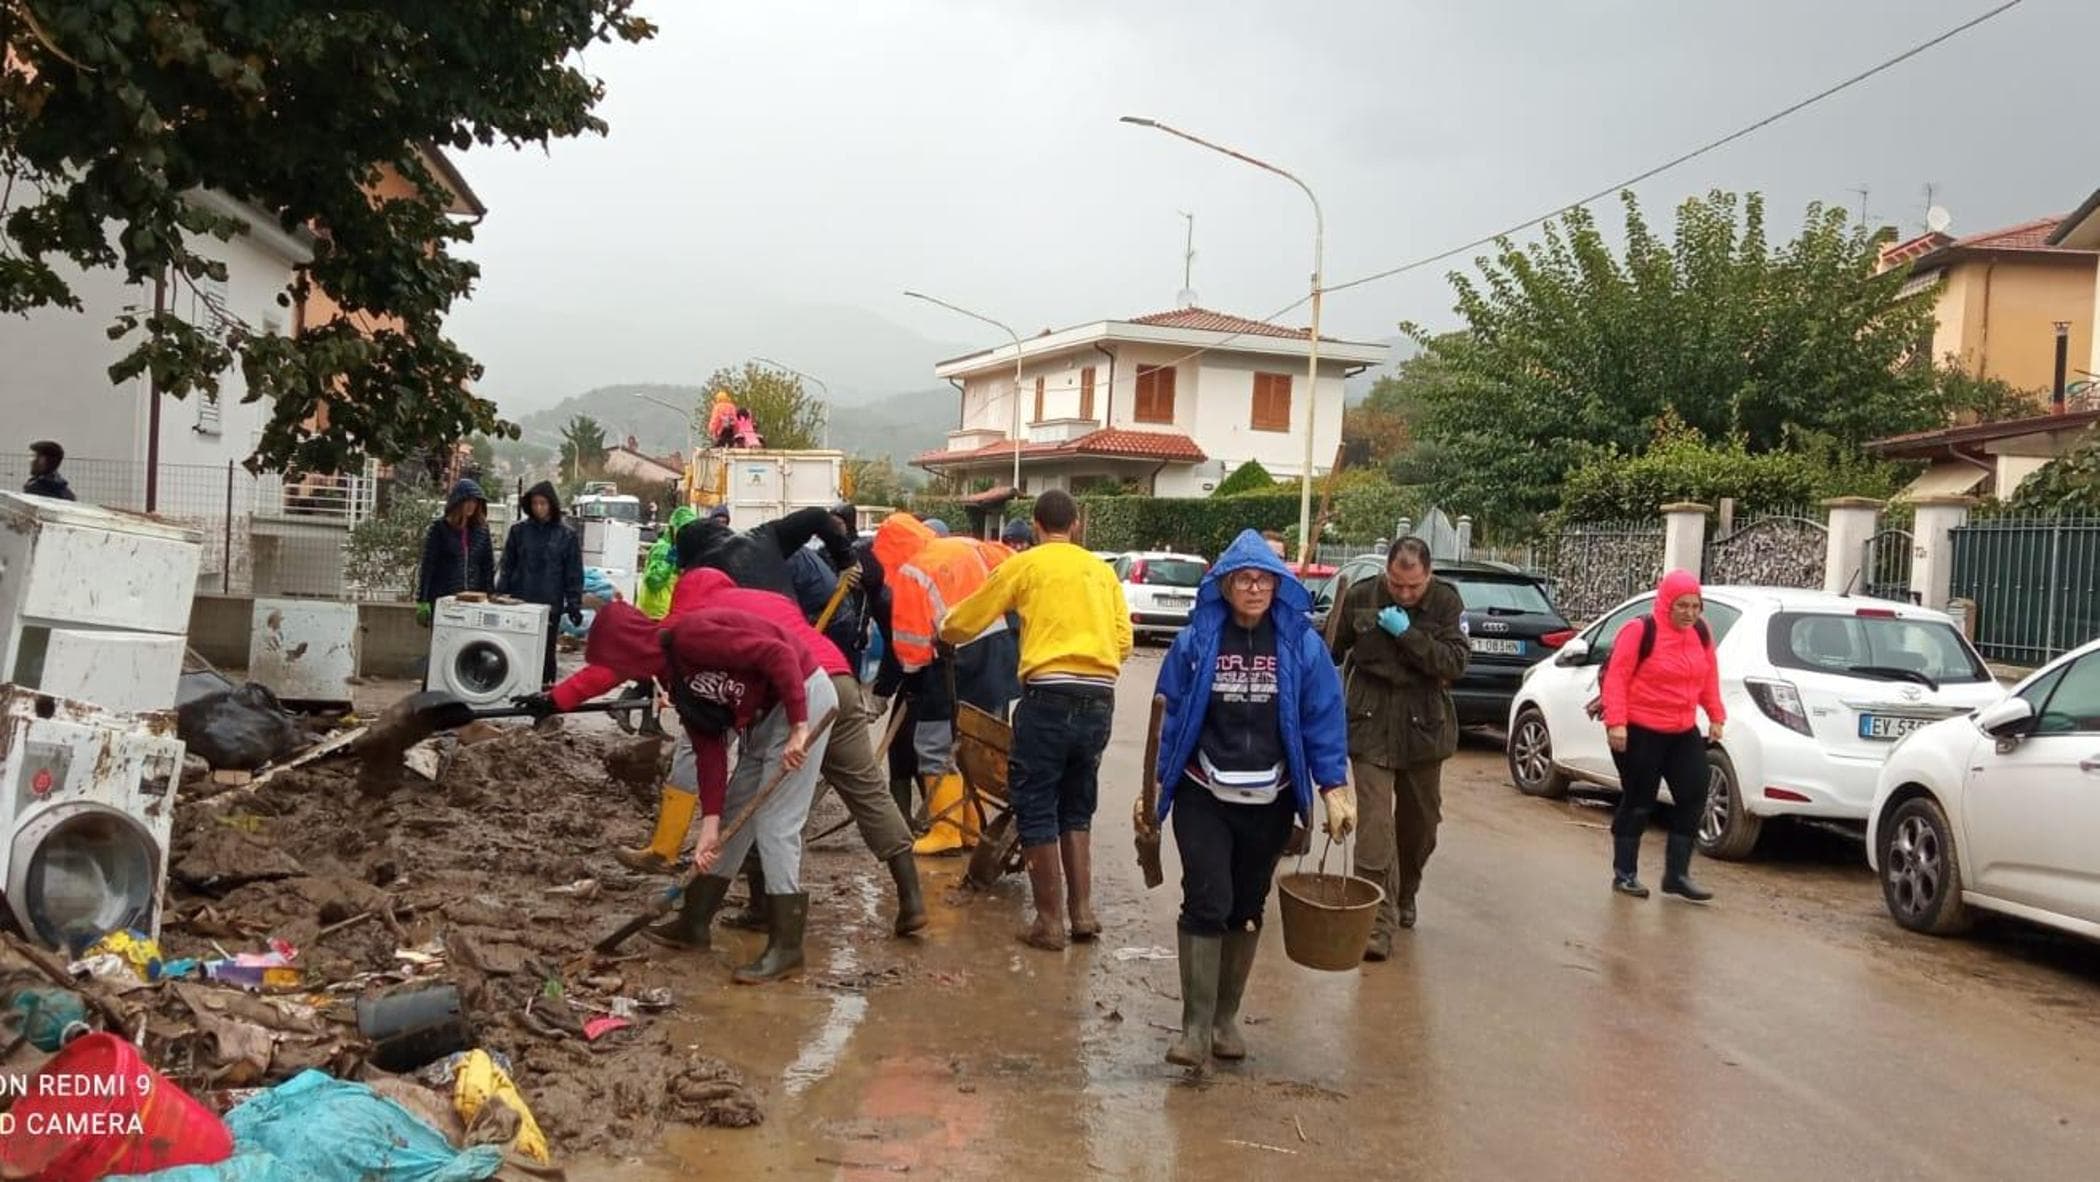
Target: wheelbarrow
[982, 744]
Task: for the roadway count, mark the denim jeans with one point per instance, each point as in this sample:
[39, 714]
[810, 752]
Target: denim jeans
[1053, 770]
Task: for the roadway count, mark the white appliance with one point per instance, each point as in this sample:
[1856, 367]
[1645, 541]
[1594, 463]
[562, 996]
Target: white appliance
[304, 650]
[87, 797]
[615, 547]
[486, 653]
[98, 576]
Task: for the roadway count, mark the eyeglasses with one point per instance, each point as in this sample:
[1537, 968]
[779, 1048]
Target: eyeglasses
[1252, 582]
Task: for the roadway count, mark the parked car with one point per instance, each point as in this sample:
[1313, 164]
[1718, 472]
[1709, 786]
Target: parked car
[1818, 687]
[1160, 588]
[1509, 622]
[1998, 812]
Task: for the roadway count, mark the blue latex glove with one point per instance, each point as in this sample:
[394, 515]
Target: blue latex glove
[1393, 620]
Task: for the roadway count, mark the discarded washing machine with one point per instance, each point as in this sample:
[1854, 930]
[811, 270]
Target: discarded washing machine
[87, 804]
[486, 653]
[94, 604]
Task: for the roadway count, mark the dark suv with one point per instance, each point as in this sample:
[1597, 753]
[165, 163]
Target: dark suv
[1510, 621]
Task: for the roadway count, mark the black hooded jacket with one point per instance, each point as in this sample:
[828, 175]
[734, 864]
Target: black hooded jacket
[758, 557]
[50, 484]
[456, 560]
[542, 560]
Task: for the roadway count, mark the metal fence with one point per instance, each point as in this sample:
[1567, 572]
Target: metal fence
[1595, 566]
[2035, 582]
[1781, 549]
[262, 534]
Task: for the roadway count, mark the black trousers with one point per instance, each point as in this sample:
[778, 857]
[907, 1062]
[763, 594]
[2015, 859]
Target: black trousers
[1651, 759]
[1228, 857]
[553, 641]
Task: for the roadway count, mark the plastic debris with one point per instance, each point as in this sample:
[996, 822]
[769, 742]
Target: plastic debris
[598, 1028]
[139, 952]
[477, 1081]
[1153, 953]
[50, 1017]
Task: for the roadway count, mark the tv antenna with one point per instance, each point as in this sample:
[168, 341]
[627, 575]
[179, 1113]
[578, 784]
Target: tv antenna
[1188, 261]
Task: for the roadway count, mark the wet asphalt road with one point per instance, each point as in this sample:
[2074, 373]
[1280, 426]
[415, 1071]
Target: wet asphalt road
[1533, 1026]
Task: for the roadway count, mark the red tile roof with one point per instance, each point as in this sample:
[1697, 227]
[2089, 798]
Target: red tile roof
[1171, 446]
[1919, 444]
[2030, 235]
[1205, 320]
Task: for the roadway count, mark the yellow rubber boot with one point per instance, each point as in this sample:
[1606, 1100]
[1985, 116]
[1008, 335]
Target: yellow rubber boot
[957, 830]
[674, 814]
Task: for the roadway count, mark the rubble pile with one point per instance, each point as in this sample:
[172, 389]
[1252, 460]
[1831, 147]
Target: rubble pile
[492, 878]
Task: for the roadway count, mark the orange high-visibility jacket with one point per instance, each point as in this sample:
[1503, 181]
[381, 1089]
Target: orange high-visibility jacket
[927, 575]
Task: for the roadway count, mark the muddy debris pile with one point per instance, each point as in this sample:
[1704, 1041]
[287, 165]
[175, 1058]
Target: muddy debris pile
[494, 879]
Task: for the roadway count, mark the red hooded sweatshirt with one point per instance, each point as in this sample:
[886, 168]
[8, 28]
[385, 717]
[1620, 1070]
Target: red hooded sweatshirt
[1679, 677]
[741, 661]
[704, 586]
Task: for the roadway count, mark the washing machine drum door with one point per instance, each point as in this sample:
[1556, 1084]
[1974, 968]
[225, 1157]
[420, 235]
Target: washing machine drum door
[81, 871]
[481, 668]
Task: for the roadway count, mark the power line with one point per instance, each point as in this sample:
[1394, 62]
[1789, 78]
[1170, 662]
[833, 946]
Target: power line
[1694, 154]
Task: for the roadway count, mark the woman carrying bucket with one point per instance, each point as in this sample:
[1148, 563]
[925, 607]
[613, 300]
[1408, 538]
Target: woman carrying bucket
[1254, 726]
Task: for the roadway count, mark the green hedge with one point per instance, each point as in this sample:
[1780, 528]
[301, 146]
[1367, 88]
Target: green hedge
[1681, 466]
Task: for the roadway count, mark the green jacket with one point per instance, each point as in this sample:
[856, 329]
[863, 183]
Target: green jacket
[1398, 690]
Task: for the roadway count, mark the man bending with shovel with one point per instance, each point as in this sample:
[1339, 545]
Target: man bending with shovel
[726, 671]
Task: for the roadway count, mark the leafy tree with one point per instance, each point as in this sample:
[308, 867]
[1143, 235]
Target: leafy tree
[2068, 484]
[875, 481]
[484, 453]
[1572, 348]
[1682, 466]
[1962, 396]
[1366, 511]
[583, 449]
[1249, 477]
[787, 415]
[116, 111]
[384, 549]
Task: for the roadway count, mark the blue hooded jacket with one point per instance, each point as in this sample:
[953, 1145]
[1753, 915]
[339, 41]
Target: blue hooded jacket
[1308, 690]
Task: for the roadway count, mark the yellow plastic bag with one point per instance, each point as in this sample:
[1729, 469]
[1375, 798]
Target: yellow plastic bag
[137, 949]
[478, 1080]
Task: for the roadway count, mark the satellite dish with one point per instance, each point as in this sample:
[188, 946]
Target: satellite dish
[1937, 219]
[1187, 298]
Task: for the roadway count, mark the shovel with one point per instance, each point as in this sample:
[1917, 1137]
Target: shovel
[1148, 826]
[419, 716]
[662, 903]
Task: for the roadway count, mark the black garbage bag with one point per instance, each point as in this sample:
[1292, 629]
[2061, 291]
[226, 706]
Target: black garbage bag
[241, 729]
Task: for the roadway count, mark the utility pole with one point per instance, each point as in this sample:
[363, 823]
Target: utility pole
[1188, 252]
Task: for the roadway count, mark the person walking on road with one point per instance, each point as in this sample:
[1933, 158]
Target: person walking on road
[1400, 640]
[1661, 673]
[543, 563]
[457, 555]
[1075, 636]
[44, 481]
[1253, 729]
[729, 673]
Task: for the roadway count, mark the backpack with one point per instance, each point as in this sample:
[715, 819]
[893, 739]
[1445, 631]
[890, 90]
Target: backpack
[1595, 706]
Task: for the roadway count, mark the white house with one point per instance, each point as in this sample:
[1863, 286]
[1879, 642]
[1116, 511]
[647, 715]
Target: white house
[55, 382]
[1173, 400]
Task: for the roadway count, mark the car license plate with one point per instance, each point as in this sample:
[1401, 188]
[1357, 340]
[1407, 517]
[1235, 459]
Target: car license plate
[1498, 648]
[1176, 600]
[1888, 727]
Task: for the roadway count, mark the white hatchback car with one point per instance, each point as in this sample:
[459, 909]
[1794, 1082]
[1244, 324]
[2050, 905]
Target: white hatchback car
[1160, 588]
[1818, 687]
[1999, 812]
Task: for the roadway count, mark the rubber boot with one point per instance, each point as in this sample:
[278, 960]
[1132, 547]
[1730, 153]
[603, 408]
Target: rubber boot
[1200, 961]
[900, 789]
[1625, 863]
[1077, 852]
[688, 928]
[787, 916]
[911, 900]
[1235, 964]
[674, 814]
[1677, 872]
[1045, 875]
[954, 831]
[754, 917]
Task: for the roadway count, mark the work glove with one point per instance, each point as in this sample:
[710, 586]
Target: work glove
[1341, 810]
[538, 706]
[423, 614]
[1393, 621]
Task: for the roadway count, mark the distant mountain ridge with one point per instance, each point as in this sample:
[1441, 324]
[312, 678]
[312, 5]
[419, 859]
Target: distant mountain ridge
[899, 426]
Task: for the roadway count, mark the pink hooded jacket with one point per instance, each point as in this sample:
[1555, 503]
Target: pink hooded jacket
[1679, 677]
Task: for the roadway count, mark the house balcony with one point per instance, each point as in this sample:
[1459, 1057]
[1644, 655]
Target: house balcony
[1061, 430]
[973, 438]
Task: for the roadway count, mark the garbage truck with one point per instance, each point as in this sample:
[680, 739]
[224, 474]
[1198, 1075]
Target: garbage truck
[760, 485]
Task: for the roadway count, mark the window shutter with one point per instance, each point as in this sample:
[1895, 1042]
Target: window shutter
[1038, 398]
[1272, 402]
[1155, 394]
[1086, 392]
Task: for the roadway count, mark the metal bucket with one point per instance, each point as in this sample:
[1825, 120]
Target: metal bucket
[1327, 918]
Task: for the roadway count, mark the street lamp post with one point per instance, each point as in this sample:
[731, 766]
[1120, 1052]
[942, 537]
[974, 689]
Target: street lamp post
[788, 369]
[1312, 352]
[686, 411]
[1017, 372]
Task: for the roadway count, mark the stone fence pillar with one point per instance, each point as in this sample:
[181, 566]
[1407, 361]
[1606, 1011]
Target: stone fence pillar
[1684, 537]
[1852, 522]
[1932, 548]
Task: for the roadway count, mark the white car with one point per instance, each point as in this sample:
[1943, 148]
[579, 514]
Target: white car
[1159, 587]
[2000, 812]
[1818, 687]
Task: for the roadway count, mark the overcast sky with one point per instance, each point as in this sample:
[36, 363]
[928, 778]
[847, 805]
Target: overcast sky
[770, 157]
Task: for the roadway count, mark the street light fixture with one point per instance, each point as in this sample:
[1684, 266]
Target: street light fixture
[1312, 353]
[683, 410]
[1017, 372]
[789, 369]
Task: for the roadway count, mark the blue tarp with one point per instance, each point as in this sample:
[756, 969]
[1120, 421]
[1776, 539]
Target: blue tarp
[315, 1128]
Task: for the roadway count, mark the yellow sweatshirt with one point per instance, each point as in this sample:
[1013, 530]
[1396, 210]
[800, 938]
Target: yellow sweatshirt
[1073, 618]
